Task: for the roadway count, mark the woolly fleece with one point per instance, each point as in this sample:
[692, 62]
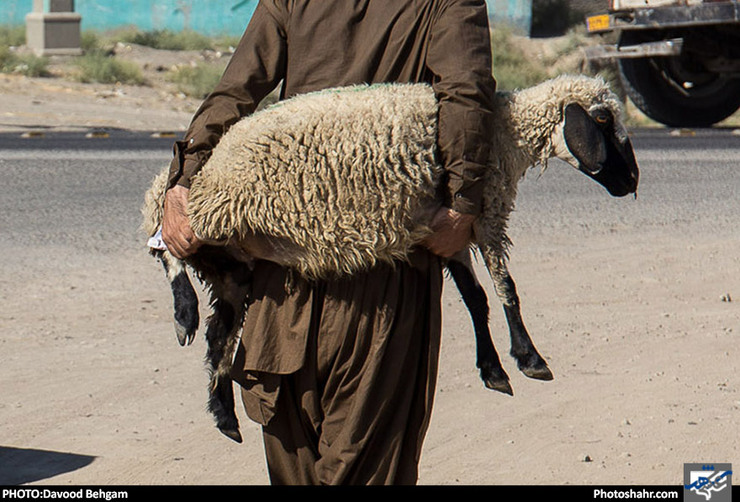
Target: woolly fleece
[349, 174]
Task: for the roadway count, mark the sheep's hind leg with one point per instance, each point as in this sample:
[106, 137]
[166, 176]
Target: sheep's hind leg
[184, 297]
[221, 334]
[229, 281]
[476, 301]
[530, 362]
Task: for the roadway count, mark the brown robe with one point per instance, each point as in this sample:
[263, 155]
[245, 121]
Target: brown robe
[341, 374]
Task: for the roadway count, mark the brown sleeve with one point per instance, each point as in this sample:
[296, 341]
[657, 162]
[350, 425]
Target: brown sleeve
[460, 59]
[255, 69]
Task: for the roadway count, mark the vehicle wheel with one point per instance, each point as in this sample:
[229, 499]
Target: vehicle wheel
[677, 91]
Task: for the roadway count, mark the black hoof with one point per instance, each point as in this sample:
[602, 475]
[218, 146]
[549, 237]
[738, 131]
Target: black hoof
[185, 336]
[186, 315]
[228, 424]
[495, 378]
[232, 434]
[537, 369]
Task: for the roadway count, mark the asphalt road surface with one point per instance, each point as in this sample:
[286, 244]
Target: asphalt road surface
[70, 190]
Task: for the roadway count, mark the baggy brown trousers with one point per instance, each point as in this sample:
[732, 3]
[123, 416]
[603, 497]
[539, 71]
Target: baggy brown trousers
[357, 409]
[341, 374]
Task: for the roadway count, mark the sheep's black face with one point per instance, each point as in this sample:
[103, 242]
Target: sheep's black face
[602, 148]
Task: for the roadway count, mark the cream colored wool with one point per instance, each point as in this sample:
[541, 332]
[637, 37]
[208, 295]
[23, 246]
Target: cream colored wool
[349, 174]
[153, 207]
[339, 173]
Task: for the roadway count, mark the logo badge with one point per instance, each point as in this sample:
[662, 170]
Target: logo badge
[707, 482]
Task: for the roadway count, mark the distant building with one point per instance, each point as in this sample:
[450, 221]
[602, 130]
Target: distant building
[517, 13]
[211, 17]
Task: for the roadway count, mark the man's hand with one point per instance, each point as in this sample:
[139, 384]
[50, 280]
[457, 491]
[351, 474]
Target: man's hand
[452, 232]
[176, 231]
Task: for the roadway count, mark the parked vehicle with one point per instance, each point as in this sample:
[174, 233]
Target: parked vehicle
[679, 60]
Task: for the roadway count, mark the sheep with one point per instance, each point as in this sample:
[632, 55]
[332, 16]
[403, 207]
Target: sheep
[333, 182]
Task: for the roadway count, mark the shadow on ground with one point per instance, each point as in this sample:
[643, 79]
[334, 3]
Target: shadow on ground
[20, 465]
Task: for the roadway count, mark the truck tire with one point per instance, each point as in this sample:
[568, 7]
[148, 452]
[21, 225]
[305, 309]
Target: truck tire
[676, 91]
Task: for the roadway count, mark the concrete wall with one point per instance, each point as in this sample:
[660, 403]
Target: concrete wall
[211, 17]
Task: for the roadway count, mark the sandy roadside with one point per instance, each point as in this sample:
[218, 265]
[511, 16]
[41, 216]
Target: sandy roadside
[644, 347]
[48, 104]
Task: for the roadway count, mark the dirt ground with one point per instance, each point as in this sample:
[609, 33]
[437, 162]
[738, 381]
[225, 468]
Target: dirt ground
[643, 345]
[61, 103]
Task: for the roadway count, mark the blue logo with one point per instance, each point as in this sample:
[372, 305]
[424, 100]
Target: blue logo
[707, 482]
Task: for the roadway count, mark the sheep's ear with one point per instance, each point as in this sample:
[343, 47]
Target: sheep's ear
[584, 138]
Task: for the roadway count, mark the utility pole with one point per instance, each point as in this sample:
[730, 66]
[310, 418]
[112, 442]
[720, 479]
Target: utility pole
[53, 28]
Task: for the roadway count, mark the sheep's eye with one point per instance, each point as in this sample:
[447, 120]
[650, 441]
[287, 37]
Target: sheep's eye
[602, 117]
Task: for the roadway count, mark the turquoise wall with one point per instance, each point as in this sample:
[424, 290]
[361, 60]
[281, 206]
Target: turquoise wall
[212, 17]
[514, 12]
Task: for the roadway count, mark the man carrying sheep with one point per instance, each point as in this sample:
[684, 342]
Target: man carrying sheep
[341, 374]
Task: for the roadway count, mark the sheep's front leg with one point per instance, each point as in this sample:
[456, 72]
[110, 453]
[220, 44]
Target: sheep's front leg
[476, 301]
[530, 362]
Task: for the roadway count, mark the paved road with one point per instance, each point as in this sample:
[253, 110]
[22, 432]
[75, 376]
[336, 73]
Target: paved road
[69, 190]
[686, 180]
